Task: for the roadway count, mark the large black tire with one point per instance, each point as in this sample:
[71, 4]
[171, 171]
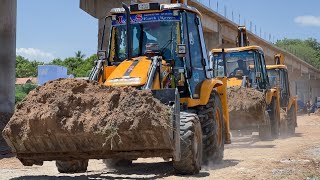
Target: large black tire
[114, 163]
[73, 166]
[292, 121]
[274, 119]
[212, 124]
[190, 145]
[265, 133]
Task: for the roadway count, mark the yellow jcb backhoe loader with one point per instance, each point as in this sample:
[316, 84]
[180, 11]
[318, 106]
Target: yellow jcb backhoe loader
[245, 67]
[278, 77]
[158, 47]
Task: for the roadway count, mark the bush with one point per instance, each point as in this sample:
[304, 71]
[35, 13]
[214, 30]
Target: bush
[23, 90]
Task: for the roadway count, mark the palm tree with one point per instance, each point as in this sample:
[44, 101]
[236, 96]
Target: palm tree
[79, 55]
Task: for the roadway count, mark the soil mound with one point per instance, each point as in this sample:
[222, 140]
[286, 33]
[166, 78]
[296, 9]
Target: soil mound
[81, 108]
[246, 107]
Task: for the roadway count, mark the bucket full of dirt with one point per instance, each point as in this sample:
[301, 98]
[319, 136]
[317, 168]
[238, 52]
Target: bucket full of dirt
[246, 107]
[70, 118]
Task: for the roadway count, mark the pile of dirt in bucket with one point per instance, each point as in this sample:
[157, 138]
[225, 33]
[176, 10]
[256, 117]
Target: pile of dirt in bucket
[246, 107]
[85, 108]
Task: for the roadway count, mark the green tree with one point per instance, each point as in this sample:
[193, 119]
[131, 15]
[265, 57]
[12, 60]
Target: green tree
[308, 50]
[23, 90]
[26, 68]
[79, 54]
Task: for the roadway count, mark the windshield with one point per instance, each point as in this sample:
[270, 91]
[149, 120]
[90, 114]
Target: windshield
[237, 63]
[273, 76]
[164, 34]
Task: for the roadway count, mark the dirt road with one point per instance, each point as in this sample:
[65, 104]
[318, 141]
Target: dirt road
[247, 158]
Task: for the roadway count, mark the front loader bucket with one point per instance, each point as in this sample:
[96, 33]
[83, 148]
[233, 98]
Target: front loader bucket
[246, 108]
[35, 146]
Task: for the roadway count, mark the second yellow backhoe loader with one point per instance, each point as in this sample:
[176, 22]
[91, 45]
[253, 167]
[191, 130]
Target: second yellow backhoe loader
[245, 68]
[278, 77]
[159, 48]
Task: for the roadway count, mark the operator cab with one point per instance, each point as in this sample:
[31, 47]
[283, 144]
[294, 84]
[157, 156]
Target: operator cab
[278, 77]
[170, 31]
[241, 63]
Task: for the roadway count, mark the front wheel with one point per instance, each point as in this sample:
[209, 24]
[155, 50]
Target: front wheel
[265, 133]
[274, 119]
[73, 166]
[212, 124]
[190, 145]
[292, 120]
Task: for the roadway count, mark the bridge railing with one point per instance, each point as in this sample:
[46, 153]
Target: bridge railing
[218, 7]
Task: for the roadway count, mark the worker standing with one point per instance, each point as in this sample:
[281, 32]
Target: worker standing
[308, 105]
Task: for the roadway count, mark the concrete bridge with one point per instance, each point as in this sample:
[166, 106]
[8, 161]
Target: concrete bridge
[218, 31]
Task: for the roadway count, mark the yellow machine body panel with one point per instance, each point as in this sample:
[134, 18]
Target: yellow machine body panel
[130, 73]
[246, 48]
[163, 7]
[222, 91]
[206, 89]
[292, 99]
[232, 82]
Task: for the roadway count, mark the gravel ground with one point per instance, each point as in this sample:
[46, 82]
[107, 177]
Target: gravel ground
[295, 157]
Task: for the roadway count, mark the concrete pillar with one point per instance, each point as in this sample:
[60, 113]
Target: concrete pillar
[212, 40]
[8, 13]
[304, 88]
[100, 9]
[315, 89]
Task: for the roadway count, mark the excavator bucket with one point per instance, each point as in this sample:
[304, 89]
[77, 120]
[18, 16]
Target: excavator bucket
[38, 135]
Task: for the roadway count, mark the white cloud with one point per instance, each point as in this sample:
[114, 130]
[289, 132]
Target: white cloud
[308, 20]
[35, 54]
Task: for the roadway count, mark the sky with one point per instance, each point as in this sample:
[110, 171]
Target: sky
[48, 29]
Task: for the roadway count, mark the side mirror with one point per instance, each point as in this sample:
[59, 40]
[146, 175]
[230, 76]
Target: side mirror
[258, 75]
[102, 55]
[182, 50]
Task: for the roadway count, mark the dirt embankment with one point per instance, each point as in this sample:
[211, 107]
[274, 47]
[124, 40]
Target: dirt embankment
[246, 106]
[77, 107]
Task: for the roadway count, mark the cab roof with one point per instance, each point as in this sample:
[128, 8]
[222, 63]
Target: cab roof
[237, 49]
[281, 66]
[163, 7]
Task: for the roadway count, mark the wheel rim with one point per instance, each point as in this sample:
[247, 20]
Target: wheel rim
[218, 123]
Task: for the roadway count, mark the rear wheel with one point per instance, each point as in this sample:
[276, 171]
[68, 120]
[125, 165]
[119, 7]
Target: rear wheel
[265, 133]
[190, 145]
[292, 119]
[113, 163]
[274, 119]
[284, 124]
[73, 166]
[212, 123]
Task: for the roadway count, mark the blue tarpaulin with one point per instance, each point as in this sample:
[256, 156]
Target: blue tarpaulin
[51, 72]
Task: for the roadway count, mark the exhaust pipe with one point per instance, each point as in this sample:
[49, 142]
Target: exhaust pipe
[128, 28]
